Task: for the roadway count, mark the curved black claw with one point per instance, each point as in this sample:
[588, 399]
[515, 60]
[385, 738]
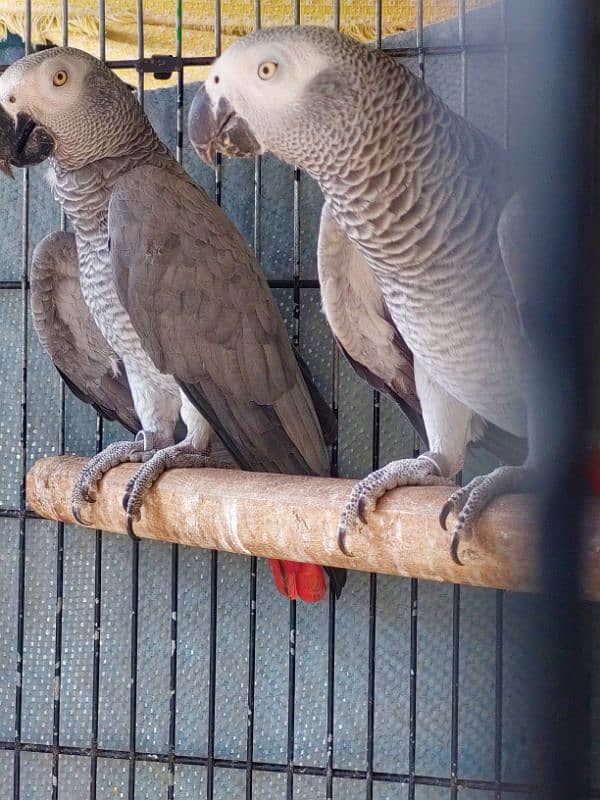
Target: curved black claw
[446, 509]
[361, 510]
[127, 494]
[454, 542]
[342, 543]
[130, 532]
[76, 514]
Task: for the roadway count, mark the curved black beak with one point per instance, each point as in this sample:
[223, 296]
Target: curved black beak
[33, 143]
[219, 130]
[22, 144]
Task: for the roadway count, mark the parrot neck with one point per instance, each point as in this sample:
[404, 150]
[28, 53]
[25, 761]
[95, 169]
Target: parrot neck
[414, 180]
[84, 192]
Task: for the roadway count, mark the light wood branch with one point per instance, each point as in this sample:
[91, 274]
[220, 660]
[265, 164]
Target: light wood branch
[291, 517]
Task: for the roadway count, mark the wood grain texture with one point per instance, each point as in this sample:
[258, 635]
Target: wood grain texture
[291, 517]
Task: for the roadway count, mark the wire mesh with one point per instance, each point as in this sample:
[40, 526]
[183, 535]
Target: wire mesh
[175, 771]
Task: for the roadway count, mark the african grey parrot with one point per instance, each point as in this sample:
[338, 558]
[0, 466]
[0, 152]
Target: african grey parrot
[420, 246]
[185, 320]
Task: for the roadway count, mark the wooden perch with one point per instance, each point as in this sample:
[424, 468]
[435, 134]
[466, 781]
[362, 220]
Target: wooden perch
[291, 517]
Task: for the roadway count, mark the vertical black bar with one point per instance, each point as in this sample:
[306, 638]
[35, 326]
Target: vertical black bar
[506, 73]
[456, 589]
[330, 695]
[455, 664]
[57, 656]
[376, 424]
[289, 794]
[257, 196]
[253, 559]
[376, 395]
[419, 26]
[210, 768]
[463, 56]
[218, 177]
[296, 266]
[173, 670]
[135, 559]
[376, 429]
[499, 656]
[98, 537]
[251, 677]
[23, 458]
[498, 695]
[218, 159]
[180, 82]
[135, 545]
[335, 391]
[292, 642]
[335, 352]
[371, 684]
[175, 547]
[257, 165]
[296, 256]
[102, 30]
[58, 624]
[60, 533]
[212, 677]
[65, 22]
[335, 403]
[96, 642]
[140, 48]
[412, 700]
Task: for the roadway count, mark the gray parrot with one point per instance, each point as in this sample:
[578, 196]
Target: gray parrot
[170, 307]
[420, 246]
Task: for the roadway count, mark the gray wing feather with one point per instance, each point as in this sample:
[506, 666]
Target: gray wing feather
[70, 336]
[361, 324]
[514, 238]
[204, 313]
[373, 345]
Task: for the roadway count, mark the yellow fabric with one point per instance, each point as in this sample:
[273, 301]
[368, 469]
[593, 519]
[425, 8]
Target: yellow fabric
[357, 17]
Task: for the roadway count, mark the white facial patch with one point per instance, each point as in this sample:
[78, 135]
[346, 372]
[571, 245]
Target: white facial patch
[238, 77]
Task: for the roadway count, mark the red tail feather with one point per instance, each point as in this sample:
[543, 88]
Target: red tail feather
[299, 581]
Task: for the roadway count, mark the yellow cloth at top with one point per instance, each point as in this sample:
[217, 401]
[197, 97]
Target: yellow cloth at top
[357, 17]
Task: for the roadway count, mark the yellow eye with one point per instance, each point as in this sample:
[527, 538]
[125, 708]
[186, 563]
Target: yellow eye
[266, 70]
[60, 78]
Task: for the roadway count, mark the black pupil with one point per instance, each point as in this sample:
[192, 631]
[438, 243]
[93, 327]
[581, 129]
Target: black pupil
[216, 78]
[265, 70]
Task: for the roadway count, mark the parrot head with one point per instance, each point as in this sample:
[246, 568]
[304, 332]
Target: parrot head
[63, 103]
[283, 90]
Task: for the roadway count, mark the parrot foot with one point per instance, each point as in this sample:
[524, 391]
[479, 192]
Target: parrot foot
[421, 471]
[177, 456]
[86, 488]
[468, 502]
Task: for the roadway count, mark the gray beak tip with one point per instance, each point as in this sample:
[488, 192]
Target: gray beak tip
[205, 152]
